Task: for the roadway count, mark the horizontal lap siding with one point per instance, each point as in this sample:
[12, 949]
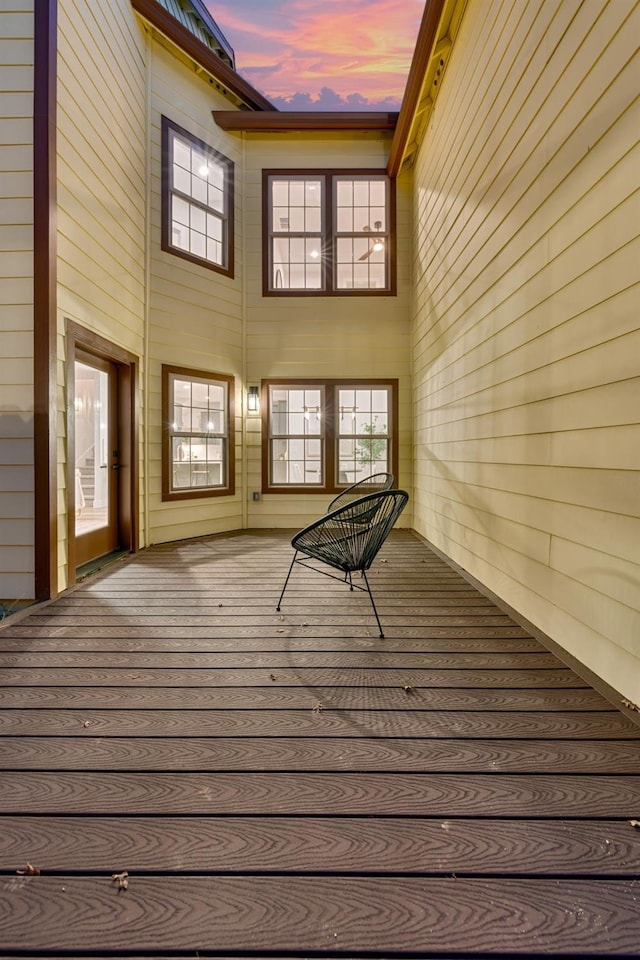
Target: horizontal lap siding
[525, 336]
[16, 303]
[196, 314]
[101, 186]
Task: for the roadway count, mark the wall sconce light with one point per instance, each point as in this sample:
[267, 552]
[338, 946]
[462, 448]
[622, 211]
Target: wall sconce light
[253, 400]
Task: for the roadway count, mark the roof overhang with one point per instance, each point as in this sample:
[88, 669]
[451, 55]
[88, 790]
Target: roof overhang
[276, 121]
[438, 29]
[162, 21]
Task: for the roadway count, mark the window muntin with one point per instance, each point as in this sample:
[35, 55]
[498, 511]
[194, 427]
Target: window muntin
[326, 435]
[328, 233]
[197, 435]
[197, 200]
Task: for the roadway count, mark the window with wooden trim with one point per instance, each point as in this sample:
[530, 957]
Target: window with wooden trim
[328, 233]
[197, 436]
[324, 435]
[197, 200]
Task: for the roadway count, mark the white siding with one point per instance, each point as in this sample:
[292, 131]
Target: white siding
[101, 184]
[329, 337]
[526, 333]
[195, 313]
[16, 302]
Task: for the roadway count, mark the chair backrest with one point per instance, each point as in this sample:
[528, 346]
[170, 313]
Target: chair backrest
[350, 537]
[371, 484]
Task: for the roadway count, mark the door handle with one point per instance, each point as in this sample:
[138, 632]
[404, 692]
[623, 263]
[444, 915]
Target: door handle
[115, 466]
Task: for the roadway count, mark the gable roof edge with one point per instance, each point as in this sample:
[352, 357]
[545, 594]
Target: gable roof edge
[159, 18]
[439, 27]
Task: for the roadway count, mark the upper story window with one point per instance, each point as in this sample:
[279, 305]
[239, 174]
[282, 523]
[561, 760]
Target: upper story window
[324, 435]
[197, 200]
[328, 234]
[197, 436]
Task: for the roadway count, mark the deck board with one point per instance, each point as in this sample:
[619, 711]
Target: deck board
[239, 914]
[274, 789]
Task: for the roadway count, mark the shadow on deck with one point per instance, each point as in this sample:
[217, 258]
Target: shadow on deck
[292, 785]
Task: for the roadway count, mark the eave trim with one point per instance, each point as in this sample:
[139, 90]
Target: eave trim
[161, 19]
[427, 37]
[276, 121]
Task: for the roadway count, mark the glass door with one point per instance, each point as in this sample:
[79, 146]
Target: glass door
[96, 457]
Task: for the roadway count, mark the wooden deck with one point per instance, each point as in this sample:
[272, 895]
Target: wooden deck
[290, 785]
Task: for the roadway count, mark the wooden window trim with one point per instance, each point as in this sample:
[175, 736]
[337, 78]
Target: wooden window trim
[329, 236]
[330, 433]
[194, 493]
[226, 269]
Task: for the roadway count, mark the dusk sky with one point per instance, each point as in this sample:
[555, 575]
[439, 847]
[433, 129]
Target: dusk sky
[323, 54]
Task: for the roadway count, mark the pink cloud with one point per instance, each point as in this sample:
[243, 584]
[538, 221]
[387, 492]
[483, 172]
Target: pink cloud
[361, 49]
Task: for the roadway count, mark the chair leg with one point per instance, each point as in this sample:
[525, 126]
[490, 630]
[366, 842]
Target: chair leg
[287, 580]
[373, 605]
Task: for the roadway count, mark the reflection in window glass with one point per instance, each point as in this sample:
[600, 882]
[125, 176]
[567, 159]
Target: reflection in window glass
[296, 431]
[198, 432]
[197, 198]
[328, 435]
[363, 433]
[329, 229]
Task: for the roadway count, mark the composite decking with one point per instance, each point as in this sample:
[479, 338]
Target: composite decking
[291, 785]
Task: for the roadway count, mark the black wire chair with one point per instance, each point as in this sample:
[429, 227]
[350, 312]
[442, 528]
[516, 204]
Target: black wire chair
[349, 538]
[371, 484]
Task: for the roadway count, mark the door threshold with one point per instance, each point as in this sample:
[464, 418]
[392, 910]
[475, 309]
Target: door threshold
[92, 566]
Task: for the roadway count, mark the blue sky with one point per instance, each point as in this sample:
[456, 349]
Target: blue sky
[329, 55]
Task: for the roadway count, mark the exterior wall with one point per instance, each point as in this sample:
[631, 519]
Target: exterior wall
[101, 186]
[526, 329]
[321, 336]
[16, 303]
[196, 314]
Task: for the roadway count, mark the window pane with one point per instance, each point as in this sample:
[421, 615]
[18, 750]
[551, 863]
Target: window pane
[199, 189]
[181, 153]
[216, 198]
[377, 275]
[361, 193]
[180, 211]
[345, 220]
[363, 221]
[377, 215]
[214, 251]
[297, 250]
[280, 219]
[216, 175]
[181, 179]
[214, 227]
[296, 219]
[198, 219]
[296, 193]
[344, 193]
[280, 193]
[313, 220]
[313, 193]
[198, 245]
[314, 277]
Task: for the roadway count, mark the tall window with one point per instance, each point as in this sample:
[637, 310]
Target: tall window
[197, 200]
[328, 233]
[197, 448]
[326, 435]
